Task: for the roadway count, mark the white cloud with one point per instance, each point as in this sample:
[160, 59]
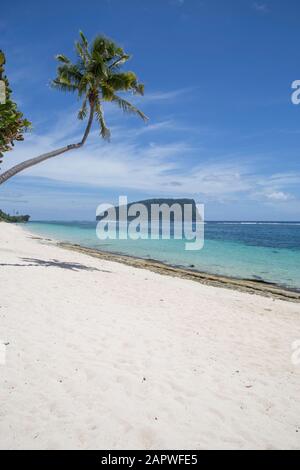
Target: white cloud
[125, 163]
[130, 161]
[279, 196]
[285, 179]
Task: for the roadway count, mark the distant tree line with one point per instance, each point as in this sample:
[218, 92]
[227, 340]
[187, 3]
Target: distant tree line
[13, 218]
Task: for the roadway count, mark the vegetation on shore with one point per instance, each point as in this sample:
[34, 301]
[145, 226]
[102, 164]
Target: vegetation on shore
[13, 218]
[12, 123]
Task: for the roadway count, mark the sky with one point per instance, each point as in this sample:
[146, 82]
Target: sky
[222, 127]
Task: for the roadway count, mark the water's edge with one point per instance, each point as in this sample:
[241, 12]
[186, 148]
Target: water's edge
[264, 254]
[242, 285]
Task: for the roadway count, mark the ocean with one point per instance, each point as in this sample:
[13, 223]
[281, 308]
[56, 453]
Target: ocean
[263, 251]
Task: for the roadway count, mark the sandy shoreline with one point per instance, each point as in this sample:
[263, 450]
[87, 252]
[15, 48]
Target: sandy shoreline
[104, 355]
[243, 285]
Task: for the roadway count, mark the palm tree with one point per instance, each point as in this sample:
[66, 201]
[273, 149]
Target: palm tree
[95, 77]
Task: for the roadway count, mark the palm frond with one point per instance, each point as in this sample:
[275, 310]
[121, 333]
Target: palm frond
[83, 52]
[83, 39]
[125, 81]
[104, 131]
[107, 91]
[128, 107]
[98, 67]
[139, 88]
[105, 47]
[62, 86]
[119, 61]
[83, 111]
[62, 58]
[69, 73]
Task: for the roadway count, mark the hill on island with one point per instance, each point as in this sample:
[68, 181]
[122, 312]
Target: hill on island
[147, 203]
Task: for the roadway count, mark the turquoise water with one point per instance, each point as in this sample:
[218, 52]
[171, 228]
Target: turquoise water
[268, 252]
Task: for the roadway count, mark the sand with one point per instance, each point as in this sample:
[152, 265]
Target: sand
[101, 355]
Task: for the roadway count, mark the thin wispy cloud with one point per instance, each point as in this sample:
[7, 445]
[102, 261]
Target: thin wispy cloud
[261, 7]
[279, 196]
[157, 96]
[179, 3]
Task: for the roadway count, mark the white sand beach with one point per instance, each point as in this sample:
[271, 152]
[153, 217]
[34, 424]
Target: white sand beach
[100, 355]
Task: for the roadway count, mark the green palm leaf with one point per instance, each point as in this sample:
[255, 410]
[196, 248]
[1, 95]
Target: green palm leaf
[128, 107]
[104, 131]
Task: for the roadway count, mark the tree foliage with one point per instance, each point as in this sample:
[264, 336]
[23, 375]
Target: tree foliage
[12, 123]
[13, 218]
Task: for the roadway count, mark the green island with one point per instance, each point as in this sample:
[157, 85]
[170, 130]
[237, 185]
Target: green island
[13, 218]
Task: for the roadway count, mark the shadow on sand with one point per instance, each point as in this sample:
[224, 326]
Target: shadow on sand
[54, 263]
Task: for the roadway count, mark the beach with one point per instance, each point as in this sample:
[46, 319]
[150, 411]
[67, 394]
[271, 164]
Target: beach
[105, 355]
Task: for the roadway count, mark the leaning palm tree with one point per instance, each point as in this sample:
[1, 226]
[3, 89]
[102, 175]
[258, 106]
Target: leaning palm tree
[95, 77]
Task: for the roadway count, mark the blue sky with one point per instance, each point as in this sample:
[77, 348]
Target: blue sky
[222, 127]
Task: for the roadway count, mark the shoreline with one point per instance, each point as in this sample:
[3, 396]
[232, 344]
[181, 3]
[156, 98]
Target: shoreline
[252, 286]
[263, 288]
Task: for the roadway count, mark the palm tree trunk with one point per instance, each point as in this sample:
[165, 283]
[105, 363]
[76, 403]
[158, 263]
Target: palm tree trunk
[45, 156]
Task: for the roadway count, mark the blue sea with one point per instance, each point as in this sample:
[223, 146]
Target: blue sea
[264, 251]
